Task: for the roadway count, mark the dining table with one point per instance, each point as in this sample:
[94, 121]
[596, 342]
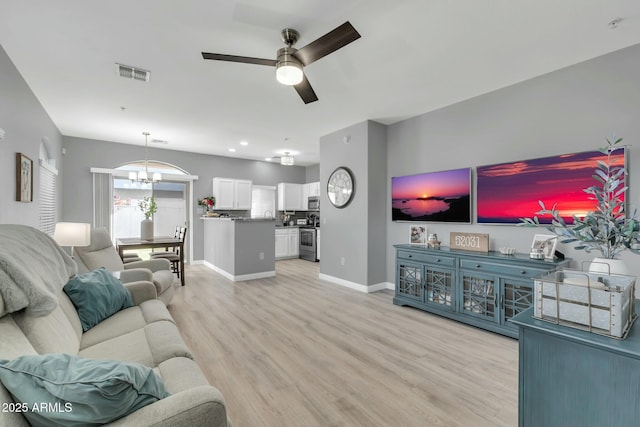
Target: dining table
[129, 243]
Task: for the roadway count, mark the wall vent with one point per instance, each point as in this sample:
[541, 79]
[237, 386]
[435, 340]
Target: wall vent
[129, 72]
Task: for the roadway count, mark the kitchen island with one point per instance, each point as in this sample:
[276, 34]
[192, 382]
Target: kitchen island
[240, 248]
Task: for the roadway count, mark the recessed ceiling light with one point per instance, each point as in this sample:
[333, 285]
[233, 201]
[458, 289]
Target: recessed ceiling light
[268, 159]
[615, 23]
[245, 143]
[233, 150]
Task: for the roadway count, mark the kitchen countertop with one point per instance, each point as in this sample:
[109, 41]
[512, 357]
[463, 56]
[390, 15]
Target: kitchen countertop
[244, 219]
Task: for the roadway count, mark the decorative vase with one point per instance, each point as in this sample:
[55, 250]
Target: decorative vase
[608, 266]
[146, 229]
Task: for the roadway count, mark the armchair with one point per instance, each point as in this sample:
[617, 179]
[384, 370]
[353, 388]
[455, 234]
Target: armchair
[102, 253]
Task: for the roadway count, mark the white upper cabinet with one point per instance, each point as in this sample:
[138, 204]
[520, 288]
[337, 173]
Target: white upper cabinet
[311, 189]
[290, 197]
[232, 194]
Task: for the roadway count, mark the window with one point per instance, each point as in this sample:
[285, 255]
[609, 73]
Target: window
[47, 198]
[263, 201]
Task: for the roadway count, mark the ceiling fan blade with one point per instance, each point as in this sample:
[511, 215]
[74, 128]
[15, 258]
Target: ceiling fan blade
[305, 91]
[330, 42]
[235, 58]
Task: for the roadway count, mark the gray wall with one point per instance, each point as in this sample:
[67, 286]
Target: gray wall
[356, 232]
[313, 173]
[376, 223]
[82, 154]
[26, 125]
[573, 109]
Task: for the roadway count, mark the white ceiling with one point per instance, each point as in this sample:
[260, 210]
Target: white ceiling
[413, 57]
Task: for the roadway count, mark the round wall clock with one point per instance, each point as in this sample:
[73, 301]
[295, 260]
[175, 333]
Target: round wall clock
[340, 187]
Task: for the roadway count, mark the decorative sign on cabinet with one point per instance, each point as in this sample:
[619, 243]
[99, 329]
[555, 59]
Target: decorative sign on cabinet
[481, 289]
[232, 194]
[477, 242]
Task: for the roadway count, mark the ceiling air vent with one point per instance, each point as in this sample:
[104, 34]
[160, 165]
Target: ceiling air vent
[129, 72]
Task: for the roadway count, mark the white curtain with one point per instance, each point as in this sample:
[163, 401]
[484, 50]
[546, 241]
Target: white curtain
[102, 200]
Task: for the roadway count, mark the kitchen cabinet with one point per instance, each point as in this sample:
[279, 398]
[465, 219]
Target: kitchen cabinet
[287, 242]
[480, 289]
[311, 189]
[290, 197]
[232, 194]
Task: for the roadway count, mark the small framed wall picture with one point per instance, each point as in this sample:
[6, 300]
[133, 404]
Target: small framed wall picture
[546, 243]
[418, 235]
[24, 178]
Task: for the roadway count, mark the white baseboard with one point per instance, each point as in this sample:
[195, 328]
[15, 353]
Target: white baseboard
[356, 286]
[241, 277]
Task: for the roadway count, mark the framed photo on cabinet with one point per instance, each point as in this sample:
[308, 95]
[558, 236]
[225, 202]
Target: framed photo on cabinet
[24, 178]
[418, 235]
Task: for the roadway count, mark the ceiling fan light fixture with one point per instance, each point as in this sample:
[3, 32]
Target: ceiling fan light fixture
[288, 69]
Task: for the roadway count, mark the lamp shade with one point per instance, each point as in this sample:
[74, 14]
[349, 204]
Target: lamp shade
[72, 234]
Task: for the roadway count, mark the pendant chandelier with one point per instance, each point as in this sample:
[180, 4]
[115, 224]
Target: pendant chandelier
[287, 159]
[143, 176]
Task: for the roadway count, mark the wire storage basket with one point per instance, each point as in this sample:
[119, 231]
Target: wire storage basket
[601, 303]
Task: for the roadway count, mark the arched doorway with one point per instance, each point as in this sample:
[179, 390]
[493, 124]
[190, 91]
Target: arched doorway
[171, 195]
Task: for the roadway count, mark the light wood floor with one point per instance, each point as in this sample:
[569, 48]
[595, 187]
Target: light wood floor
[296, 351]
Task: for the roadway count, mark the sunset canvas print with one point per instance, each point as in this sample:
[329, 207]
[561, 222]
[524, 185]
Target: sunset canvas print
[434, 196]
[509, 191]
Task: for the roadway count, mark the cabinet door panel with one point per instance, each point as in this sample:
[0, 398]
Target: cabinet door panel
[438, 286]
[282, 244]
[243, 194]
[516, 297]
[479, 296]
[294, 242]
[409, 280]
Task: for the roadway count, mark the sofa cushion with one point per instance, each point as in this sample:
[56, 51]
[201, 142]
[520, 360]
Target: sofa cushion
[125, 321]
[82, 391]
[155, 343]
[96, 296]
[53, 333]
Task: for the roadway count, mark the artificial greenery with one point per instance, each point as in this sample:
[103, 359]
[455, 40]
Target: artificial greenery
[148, 206]
[608, 229]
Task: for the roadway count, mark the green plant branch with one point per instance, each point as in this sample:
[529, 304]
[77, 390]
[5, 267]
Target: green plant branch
[608, 229]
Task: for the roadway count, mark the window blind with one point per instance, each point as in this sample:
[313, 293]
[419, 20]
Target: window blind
[47, 195]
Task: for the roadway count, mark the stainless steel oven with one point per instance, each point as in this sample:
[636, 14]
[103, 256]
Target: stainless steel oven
[308, 244]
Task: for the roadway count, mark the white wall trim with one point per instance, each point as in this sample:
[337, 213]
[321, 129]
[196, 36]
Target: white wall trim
[353, 285]
[125, 174]
[241, 277]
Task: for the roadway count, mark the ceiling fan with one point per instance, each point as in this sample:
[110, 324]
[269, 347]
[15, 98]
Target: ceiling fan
[290, 60]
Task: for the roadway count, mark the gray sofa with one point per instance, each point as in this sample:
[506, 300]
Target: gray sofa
[48, 322]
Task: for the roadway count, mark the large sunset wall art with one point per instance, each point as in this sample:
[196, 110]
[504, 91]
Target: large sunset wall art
[509, 191]
[434, 196]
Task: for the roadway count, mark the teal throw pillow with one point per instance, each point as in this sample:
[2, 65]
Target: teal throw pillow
[66, 390]
[96, 296]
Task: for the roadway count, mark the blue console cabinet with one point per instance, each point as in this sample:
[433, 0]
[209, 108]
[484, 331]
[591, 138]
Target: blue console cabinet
[570, 377]
[481, 289]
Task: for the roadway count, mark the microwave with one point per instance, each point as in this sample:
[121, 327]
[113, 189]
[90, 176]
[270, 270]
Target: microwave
[313, 203]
